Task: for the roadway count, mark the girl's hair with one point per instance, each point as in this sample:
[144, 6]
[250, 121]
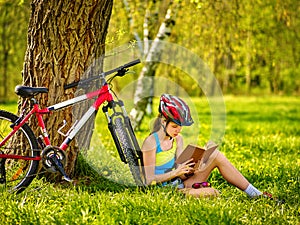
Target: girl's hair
[157, 124]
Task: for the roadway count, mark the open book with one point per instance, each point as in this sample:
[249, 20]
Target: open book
[196, 152]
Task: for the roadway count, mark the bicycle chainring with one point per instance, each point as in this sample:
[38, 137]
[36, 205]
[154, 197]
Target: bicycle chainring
[49, 152]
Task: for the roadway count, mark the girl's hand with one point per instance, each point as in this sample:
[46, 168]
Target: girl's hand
[185, 168]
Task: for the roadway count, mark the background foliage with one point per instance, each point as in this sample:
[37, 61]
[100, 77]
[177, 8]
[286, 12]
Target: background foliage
[251, 46]
[14, 17]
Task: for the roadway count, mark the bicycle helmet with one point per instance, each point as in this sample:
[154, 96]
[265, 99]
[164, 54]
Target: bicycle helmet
[175, 109]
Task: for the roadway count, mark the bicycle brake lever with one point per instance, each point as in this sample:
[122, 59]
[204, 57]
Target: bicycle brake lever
[121, 72]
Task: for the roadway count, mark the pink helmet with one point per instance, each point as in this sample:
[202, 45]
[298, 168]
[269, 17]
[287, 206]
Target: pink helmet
[175, 110]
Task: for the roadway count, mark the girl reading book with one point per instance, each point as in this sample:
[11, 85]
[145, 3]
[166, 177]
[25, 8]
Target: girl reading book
[165, 143]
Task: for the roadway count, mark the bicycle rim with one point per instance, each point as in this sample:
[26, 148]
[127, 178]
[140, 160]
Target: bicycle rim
[19, 173]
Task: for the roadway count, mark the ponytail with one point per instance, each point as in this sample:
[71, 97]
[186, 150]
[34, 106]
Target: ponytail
[157, 124]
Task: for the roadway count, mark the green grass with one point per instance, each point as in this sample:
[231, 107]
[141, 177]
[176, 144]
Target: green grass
[262, 140]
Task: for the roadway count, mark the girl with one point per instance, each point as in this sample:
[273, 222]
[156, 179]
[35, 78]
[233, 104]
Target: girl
[165, 143]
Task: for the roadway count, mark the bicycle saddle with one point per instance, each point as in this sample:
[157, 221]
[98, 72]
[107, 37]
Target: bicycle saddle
[25, 91]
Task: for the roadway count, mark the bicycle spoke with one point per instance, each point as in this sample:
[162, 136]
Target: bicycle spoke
[32, 175]
[17, 152]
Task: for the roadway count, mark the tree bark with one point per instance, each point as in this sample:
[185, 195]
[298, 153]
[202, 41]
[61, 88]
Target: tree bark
[64, 37]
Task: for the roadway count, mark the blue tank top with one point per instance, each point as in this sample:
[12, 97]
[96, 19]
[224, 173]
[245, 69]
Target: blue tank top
[165, 160]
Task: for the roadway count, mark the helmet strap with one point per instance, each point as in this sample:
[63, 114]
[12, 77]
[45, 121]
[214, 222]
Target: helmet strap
[165, 128]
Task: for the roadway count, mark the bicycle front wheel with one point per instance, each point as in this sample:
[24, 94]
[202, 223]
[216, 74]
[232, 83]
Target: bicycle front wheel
[17, 174]
[127, 146]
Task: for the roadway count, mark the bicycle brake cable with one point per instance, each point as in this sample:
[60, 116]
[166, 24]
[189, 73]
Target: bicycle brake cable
[114, 93]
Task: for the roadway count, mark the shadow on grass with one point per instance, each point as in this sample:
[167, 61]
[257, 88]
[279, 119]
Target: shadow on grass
[88, 179]
[96, 183]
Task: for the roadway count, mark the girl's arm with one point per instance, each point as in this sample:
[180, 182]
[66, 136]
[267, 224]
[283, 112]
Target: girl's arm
[149, 156]
[179, 150]
[179, 143]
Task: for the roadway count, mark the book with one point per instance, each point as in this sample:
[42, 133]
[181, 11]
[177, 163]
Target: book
[196, 152]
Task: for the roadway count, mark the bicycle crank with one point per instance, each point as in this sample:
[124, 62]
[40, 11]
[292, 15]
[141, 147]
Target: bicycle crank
[54, 160]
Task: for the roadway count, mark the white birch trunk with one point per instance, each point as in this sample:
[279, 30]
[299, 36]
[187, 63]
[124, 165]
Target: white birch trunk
[145, 84]
[151, 50]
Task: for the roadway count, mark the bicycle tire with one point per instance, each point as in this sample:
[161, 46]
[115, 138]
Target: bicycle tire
[128, 151]
[19, 172]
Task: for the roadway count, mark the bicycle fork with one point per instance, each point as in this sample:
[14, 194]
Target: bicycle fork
[127, 125]
[111, 128]
[125, 140]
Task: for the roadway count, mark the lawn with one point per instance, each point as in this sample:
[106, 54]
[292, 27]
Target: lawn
[262, 139]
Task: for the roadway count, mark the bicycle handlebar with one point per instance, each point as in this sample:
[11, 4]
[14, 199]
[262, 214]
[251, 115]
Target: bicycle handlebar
[104, 74]
[130, 64]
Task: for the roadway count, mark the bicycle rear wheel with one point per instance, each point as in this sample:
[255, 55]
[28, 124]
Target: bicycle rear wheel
[17, 174]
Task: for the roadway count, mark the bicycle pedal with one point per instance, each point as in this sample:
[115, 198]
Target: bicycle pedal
[68, 179]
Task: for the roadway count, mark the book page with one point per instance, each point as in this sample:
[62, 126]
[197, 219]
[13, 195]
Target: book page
[191, 151]
[210, 148]
[196, 152]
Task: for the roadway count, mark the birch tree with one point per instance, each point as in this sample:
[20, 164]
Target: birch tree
[151, 49]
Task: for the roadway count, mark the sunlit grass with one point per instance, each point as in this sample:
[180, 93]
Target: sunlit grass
[262, 140]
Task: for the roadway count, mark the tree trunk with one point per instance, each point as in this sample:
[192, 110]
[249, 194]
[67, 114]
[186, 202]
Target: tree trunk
[64, 37]
[152, 50]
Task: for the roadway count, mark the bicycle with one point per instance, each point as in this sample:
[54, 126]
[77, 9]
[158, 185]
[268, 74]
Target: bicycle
[21, 151]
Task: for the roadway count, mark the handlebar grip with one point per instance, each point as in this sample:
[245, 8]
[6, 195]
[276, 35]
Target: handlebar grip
[137, 61]
[74, 84]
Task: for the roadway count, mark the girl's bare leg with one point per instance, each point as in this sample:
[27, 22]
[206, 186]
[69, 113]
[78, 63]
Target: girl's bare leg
[230, 173]
[227, 170]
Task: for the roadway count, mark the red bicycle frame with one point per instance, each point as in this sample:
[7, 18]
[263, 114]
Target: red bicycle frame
[104, 95]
